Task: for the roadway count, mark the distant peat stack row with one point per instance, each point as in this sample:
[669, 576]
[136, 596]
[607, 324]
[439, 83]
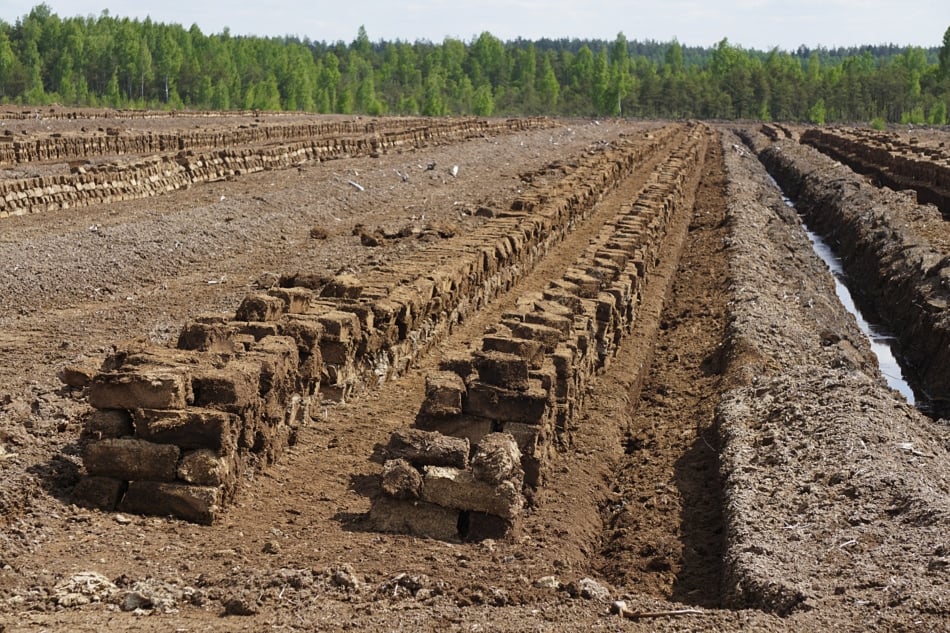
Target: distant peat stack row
[238, 152]
[893, 162]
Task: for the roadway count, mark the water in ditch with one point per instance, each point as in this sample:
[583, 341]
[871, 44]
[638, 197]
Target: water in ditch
[881, 340]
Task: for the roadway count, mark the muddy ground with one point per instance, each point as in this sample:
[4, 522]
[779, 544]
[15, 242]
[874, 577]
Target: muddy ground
[740, 465]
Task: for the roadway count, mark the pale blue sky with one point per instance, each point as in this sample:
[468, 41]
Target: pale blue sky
[760, 24]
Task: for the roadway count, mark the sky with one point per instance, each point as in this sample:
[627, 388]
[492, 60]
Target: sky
[751, 24]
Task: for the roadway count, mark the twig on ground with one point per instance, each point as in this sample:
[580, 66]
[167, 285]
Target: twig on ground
[620, 608]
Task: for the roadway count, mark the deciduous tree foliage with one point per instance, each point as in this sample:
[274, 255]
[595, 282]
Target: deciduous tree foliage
[118, 62]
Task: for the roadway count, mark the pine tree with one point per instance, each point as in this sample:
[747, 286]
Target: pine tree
[944, 57]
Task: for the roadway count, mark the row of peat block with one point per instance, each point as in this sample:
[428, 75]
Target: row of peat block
[14, 113]
[493, 419]
[893, 162]
[263, 148]
[174, 430]
[116, 141]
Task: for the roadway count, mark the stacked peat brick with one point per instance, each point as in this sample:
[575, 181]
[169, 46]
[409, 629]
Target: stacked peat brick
[158, 174]
[896, 163]
[400, 314]
[175, 430]
[113, 141]
[524, 389]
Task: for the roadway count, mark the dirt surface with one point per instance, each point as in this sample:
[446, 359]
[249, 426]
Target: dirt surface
[739, 465]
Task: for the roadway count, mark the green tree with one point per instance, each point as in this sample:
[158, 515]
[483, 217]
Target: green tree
[7, 61]
[113, 95]
[328, 84]
[483, 104]
[365, 97]
[938, 114]
[816, 114]
[221, 96]
[489, 61]
[944, 58]
[168, 61]
[621, 81]
[674, 58]
[600, 88]
[434, 100]
[111, 60]
[549, 90]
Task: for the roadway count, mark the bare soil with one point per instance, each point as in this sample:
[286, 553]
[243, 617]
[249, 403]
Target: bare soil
[739, 465]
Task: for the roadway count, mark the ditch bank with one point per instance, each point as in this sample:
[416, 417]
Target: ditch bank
[834, 489]
[895, 251]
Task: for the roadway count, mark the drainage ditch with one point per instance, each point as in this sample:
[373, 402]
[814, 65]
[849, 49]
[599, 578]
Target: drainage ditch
[883, 343]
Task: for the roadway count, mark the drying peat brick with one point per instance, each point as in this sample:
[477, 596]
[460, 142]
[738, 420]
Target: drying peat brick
[502, 370]
[588, 285]
[427, 448]
[152, 388]
[336, 352]
[459, 363]
[400, 480]
[445, 392]
[189, 428]
[606, 307]
[108, 423]
[76, 376]
[208, 337]
[340, 326]
[470, 427]
[279, 362]
[204, 467]
[198, 504]
[414, 517]
[559, 295]
[497, 403]
[306, 331]
[385, 316]
[296, 300]
[260, 307]
[546, 375]
[343, 287]
[528, 349]
[459, 489]
[100, 493]
[547, 336]
[532, 455]
[255, 329]
[128, 458]
[497, 459]
[233, 388]
[311, 281]
[618, 256]
[559, 322]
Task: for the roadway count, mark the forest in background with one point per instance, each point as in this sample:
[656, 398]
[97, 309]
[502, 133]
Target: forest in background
[108, 61]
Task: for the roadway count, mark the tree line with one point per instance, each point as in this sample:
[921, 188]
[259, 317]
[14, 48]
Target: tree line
[108, 61]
